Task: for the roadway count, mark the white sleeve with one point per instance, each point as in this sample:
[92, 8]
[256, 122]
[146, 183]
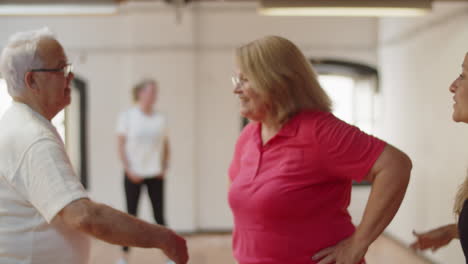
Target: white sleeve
[122, 124]
[48, 179]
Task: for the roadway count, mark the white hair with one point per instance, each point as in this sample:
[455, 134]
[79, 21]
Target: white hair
[20, 56]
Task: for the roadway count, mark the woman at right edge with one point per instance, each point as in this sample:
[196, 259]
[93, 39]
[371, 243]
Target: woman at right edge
[293, 166]
[441, 236]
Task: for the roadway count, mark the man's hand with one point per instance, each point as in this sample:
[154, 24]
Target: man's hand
[176, 248]
[348, 251]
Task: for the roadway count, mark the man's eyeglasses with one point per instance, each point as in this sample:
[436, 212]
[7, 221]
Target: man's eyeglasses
[67, 69]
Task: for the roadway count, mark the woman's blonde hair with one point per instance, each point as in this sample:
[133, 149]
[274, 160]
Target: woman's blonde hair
[282, 76]
[137, 88]
[462, 193]
[461, 197]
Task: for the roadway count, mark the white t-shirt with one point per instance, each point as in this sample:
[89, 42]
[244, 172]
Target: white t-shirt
[36, 182]
[145, 135]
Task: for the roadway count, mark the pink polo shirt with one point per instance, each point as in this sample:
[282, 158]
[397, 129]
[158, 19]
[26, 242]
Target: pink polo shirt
[290, 197]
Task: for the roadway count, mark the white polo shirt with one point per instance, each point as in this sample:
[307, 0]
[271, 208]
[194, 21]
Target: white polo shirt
[36, 182]
[144, 142]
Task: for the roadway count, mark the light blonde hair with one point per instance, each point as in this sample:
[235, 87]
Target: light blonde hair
[462, 193]
[461, 197]
[142, 84]
[282, 76]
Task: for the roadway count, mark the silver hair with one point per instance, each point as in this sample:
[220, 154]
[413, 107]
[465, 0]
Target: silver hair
[20, 56]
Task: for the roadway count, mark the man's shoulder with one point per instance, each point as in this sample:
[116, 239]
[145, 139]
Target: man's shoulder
[20, 130]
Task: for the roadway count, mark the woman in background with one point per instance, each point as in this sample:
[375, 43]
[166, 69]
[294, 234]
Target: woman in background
[144, 151]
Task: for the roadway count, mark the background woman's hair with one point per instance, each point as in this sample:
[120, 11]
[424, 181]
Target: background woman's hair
[142, 84]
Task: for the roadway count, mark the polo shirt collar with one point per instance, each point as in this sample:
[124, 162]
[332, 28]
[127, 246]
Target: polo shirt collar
[26, 108]
[290, 128]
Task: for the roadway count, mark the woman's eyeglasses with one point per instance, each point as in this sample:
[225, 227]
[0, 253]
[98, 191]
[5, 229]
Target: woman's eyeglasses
[237, 81]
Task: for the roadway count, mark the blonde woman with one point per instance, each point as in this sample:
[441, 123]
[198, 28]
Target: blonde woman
[293, 166]
[439, 237]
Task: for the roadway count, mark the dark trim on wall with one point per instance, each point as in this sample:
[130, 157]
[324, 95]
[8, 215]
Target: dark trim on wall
[80, 85]
[324, 66]
[331, 66]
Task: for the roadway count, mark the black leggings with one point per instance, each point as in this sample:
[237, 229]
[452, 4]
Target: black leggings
[155, 188]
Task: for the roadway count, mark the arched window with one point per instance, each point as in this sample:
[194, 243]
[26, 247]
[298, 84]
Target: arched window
[353, 88]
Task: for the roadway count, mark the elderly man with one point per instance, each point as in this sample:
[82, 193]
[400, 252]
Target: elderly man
[45, 214]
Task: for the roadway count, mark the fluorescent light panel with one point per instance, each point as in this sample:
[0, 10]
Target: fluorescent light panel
[374, 8]
[58, 9]
[349, 11]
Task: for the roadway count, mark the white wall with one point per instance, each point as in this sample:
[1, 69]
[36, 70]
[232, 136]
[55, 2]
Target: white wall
[193, 62]
[419, 58]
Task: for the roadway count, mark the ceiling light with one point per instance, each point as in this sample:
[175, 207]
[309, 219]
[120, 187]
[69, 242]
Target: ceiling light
[369, 8]
[57, 9]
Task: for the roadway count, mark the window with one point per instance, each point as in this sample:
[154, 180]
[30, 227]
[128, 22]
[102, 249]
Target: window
[342, 105]
[352, 88]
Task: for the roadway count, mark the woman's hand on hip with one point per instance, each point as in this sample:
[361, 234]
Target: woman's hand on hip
[348, 251]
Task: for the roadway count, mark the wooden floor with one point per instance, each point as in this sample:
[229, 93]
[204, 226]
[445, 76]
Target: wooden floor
[216, 249]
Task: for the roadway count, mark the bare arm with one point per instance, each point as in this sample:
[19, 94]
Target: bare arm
[166, 155]
[435, 238]
[389, 176]
[121, 139]
[115, 227]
